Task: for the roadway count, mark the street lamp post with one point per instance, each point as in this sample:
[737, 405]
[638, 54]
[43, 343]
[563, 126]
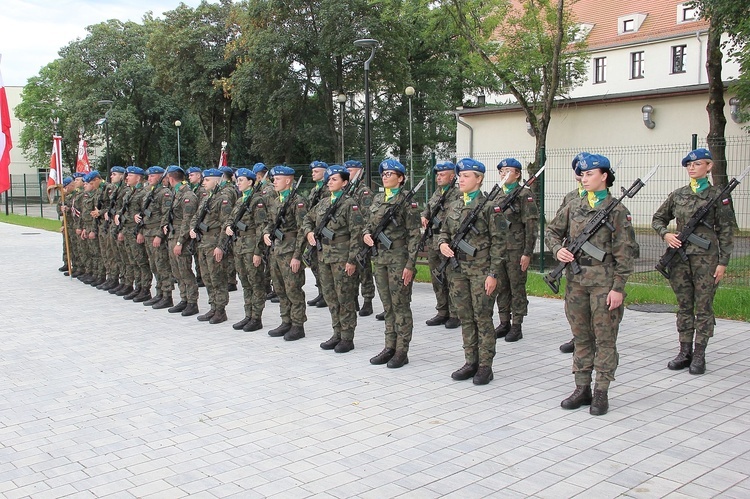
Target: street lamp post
[372, 45]
[178, 124]
[341, 98]
[105, 121]
[410, 93]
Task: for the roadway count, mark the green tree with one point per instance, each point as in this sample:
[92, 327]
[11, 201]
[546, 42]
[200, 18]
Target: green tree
[532, 50]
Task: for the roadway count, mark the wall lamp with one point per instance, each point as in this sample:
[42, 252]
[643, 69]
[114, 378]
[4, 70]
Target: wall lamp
[648, 111]
[734, 109]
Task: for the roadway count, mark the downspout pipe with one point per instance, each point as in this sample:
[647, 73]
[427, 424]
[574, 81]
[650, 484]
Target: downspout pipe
[700, 54]
[471, 134]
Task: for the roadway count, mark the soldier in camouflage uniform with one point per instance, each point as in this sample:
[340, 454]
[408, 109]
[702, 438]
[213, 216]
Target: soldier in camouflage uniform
[318, 192]
[95, 273]
[74, 239]
[473, 283]
[64, 210]
[156, 249]
[228, 183]
[695, 281]
[135, 242]
[594, 297]
[176, 225]
[107, 244]
[445, 176]
[117, 176]
[523, 220]
[336, 261]
[247, 250]
[210, 255]
[287, 271]
[264, 189]
[75, 209]
[362, 196]
[195, 179]
[395, 267]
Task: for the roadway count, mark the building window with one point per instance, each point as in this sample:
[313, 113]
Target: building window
[636, 65]
[600, 70]
[679, 53]
[566, 78]
[688, 13]
[628, 25]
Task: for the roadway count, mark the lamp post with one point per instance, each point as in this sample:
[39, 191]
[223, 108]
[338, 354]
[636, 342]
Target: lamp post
[178, 124]
[341, 98]
[105, 121]
[410, 93]
[372, 45]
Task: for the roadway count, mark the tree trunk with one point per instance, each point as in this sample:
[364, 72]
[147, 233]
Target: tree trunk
[715, 107]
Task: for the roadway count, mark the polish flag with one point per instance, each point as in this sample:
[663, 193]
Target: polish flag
[82, 164]
[5, 141]
[55, 164]
[223, 156]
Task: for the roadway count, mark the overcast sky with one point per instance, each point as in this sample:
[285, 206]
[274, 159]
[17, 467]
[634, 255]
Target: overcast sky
[32, 31]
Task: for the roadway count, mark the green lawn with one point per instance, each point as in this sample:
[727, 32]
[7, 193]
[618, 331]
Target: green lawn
[36, 222]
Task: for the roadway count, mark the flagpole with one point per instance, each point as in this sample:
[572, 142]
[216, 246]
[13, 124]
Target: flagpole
[65, 229]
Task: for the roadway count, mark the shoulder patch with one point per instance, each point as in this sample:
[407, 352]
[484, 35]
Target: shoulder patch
[224, 201]
[355, 207]
[204, 194]
[725, 201]
[187, 200]
[300, 205]
[629, 217]
[497, 209]
[260, 205]
[366, 192]
[530, 199]
[414, 205]
[166, 194]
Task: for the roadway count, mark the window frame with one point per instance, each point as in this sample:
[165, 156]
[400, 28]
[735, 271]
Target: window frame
[637, 65]
[600, 70]
[680, 50]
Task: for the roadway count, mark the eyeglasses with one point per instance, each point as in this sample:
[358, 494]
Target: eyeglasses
[696, 164]
[388, 174]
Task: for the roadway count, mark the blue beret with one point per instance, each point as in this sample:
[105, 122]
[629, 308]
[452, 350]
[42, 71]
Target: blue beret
[135, 169]
[259, 167]
[581, 155]
[117, 169]
[282, 170]
[91, 176]
[509, 162]
[193, 169]
[353, 163]
[245, 172]
[174, 168]
[67, 181]
[469, 165]
[591, 162]
[697, 154]
[79, 175]
[226, 170]
[393, 165]
[318, 164]
[444, 166]
[154, 170]
[337, 169]
[212, 172]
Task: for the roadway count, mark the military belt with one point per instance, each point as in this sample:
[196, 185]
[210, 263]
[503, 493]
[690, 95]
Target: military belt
[588, 261]
[336, 242]
[399, 243]
[463, 257]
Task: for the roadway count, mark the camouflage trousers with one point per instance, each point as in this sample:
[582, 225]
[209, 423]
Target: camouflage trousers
[109, 255]
[366, 282]
[214, 276]
[474, 308]
[445, 306]
[511, 289]
[693, 285]
[251, 278]
[182, 270]
[288, 286]
[595, 330]
[94, 265]
[231, 267]
[396, 298]
[127, 272]
[138, 262]
[338, 290]
[158, 261]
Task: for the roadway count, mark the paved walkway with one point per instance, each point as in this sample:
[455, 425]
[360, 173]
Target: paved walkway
[102, 397]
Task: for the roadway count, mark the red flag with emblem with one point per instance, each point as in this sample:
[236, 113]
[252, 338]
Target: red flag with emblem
[55, 164]
[82, 163]
[5, 141]
[223, 155]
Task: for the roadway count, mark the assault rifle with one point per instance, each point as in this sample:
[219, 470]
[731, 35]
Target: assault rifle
[459, 243]
[322, 231]
[237, 224]
[200, 226]
[145, 211]
[688, 235]
[378, 234]
[510, 198]
[111, 208]
[433, 224]
[581, 242]
[121, 214]
[276, 233]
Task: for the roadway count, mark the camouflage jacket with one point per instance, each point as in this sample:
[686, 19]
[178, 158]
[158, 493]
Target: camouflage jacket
[89, 202]
[718, 228]
[523, 221]
[182, 207]
[452, 194]
[158, 208]
[404, 232]
[293, 241]
[316, 195]
[619, 246]
[490, 240]
[220, 204]
[346, 224]
[249, 240]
